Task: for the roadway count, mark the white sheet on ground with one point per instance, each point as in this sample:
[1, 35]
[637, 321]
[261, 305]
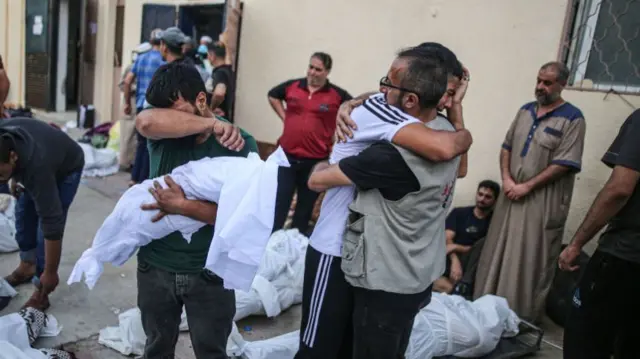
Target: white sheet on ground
[6, 290]
[14, 336]
[245, 190]
[276, 287]
[99, 162]
[8, 224]
[449, 325]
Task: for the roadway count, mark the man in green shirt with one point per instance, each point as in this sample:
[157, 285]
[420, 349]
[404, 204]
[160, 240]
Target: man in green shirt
[170, 270]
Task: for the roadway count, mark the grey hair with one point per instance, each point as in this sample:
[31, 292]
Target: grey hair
[561, 70]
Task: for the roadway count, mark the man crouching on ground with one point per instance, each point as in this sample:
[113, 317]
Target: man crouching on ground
[170, 270]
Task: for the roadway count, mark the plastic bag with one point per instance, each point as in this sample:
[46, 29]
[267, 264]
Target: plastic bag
[128, 337]
[114, 137]
[8, 224]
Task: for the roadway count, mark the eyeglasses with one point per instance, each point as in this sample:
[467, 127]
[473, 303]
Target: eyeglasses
[385, 82]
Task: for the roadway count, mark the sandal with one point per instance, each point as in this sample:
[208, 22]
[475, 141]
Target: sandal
[16, 278]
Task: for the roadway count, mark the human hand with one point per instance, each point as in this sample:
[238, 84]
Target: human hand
[455, 274]
[507, 184]
[218, 112]
[15, 189]
[461, 91]
[344, 123]
[127, 109]
[451, 247]
[568, 258]
[169, 200]
[519, 191]
[48, 282]
[228, 135]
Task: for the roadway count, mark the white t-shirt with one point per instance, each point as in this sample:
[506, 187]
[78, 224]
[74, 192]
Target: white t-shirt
[376, 121]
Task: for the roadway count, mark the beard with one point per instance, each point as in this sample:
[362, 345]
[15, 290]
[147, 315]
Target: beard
[546, 98]
[397, 102]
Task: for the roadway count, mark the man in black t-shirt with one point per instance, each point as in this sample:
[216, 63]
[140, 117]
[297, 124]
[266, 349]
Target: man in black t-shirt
[604, 316]
[222, 82]
[44, 165]
[466, 228]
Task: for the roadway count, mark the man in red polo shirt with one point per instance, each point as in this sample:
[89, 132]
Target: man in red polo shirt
[308, 108]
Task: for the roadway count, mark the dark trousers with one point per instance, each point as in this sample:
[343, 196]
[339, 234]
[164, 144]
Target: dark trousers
[295, 178]
[326, 329]
[140, 171]
[28, 224]
[383, 321]
[604, 317]
[469, 262]
[210, 310]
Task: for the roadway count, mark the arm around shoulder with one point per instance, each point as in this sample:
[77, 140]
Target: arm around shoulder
[433, 145]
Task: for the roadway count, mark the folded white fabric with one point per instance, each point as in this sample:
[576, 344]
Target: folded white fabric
[245, 191]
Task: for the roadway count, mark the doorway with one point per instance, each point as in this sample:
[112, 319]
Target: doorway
[200, 20]
[52, 54]
[68, 55]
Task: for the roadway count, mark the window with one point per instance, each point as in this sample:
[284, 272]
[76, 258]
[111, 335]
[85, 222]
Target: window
[602, 45]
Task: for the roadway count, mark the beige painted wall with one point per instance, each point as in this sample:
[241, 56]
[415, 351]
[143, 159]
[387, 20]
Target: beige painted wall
[503, 42]
[12, 46]
[12, 24]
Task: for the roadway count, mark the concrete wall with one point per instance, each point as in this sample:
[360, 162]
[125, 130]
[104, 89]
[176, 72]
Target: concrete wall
[502, 42]
[12, 42]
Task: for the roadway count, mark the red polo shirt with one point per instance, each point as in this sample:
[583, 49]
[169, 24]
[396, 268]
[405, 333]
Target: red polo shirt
[310, 119]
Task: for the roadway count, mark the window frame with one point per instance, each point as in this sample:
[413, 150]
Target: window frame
[576, 50]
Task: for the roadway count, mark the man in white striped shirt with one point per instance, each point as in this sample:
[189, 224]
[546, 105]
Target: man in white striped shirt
[327, 303]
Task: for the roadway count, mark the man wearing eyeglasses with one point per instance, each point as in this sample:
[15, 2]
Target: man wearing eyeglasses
[307, 108]
[383, 118]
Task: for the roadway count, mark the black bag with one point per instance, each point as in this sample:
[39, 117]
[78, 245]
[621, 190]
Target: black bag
[561, 293]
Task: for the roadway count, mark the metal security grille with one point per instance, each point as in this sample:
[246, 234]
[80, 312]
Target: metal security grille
[602, 45]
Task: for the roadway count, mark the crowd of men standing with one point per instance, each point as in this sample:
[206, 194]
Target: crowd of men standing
[385, 238]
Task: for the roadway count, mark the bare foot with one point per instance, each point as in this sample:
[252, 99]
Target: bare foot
[38, 300]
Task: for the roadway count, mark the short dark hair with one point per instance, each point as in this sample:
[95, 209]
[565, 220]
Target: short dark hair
[7, 145]
[425, 75]
[173, 80]
[218, 49]
[172, 48]
[325, 58]
[449, 59]
[492, 185]
[561, 70]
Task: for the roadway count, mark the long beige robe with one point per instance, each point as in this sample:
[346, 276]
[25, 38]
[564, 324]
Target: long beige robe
[523, 242]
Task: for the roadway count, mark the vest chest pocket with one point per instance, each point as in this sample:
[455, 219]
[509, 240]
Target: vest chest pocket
[548, 138]
[353, 260]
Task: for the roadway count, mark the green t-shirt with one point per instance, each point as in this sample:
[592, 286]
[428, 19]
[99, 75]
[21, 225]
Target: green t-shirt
[172, 253]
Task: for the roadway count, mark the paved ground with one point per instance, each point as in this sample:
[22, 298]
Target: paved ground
[82, 313]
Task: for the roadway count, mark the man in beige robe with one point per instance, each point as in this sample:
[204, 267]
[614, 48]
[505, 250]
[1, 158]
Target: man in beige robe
[540, 156]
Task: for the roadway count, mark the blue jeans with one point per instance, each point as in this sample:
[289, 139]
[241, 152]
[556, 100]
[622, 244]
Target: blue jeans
[29, 233]
[140, 171]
